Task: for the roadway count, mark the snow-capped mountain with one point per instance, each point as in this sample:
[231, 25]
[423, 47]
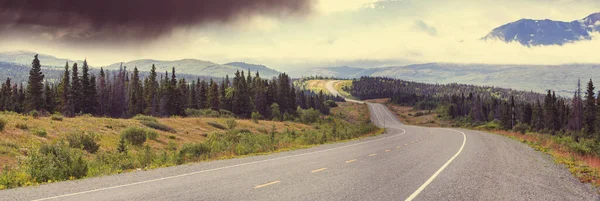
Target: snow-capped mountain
[530, 32]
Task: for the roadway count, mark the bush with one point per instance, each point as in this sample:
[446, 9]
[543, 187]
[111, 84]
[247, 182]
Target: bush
[84, 141]
[255, 117]
[216, 125]
[192, 151]
[158, 126]
[521, 128]
[56, 162]
[39, 132]
[492, 125]
[22, 126]
[201, 113]
[35, 114]
[135, 136]
[231, 124]
[153, 135]
[3, 123]
[226, 114]
[331, 103]
[145, 118]
[172, 137]
[309, 116]
[56, 117]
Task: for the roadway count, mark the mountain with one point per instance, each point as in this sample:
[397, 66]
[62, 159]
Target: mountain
[538, 78]
[264, 71]
[530, 32]
[195, 67]
[25, 58]
[184, 66]
[338, 72]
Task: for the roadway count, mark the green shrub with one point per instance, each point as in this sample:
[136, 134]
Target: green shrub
[192, 151]
[492, 125]
[141, 117]
[216, 125]
[84, 141]
[39, 132]
[331, 103]
[201, 113]
[521, 128]
[56, 117]
[135, 136]
[3, 123]
[418, 114]
[172, 137]
[56, 162]
[309, 116]
[172, 145]
[158, 126]
[231, 124]
[22, 126]
[153, 135]
[255, 117]
[34, 114]
[226, 114]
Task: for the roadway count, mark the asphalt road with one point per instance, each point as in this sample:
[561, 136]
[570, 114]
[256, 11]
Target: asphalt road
[406, 163]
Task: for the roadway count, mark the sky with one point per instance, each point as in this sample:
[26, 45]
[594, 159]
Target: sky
[293, 34]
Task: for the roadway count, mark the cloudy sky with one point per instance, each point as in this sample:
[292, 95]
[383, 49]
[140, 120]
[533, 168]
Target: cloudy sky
[290, 34]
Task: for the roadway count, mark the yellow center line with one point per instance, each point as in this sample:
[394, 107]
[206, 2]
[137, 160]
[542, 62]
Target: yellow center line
[372, 154]
[318, 170]
[398, 147]
[412, 142]
[267, 184]
[405, 144]
[350, 161]
[387, 150]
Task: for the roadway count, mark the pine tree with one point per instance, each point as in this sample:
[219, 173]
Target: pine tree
[590, 110]
[150, 90]
[76, 93]
[48, 98]
[203, 95]
[136, 100]
[213, 96]
[103, 94]
[193, 96]
[35, 86]
[64, 91]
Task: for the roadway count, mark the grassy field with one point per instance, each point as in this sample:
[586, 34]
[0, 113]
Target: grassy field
[340, 85]
[171, 141]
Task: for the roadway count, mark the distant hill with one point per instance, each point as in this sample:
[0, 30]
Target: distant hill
[338, 72]
[530, 32]
[184, 66]
[194, 67]
[25, 58]
[537, 78]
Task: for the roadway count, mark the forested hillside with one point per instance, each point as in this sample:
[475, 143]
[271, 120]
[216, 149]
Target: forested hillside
[475, 105]
[124, 93]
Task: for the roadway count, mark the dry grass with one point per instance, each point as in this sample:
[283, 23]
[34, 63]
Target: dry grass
[317, 86]
[351, 112]
[13, 141]
[340, 85]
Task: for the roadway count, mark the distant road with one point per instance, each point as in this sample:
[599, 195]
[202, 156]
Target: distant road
[406, 163]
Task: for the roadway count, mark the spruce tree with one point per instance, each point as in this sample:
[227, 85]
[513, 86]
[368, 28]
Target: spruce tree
[213, 96]
[64, 91]
[203, 95]
[590, 110]
[35, 86]
[150, 90]
[136, 101]
[76, 92]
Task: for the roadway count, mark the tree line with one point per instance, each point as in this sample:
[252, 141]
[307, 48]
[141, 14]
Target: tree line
[511, 109]
[122, 94]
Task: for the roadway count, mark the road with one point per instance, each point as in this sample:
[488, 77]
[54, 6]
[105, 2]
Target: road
[405, 163]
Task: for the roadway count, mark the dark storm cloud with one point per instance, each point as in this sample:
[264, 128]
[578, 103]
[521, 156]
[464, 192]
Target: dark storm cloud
[104, 20]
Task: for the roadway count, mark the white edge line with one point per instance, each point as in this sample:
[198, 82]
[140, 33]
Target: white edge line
[215, 169]
[416, 193]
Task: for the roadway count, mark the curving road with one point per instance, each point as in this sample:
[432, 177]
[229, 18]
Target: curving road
[406, 163]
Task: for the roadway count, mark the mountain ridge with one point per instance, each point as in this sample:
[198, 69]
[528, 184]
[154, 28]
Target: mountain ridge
[530, 32]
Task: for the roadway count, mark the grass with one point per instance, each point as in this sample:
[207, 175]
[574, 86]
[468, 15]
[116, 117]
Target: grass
[317, 86]
[96, 140]
[340, 85]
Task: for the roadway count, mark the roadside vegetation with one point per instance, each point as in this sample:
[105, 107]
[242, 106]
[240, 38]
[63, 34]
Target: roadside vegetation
[567, 129]
[87, 126]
